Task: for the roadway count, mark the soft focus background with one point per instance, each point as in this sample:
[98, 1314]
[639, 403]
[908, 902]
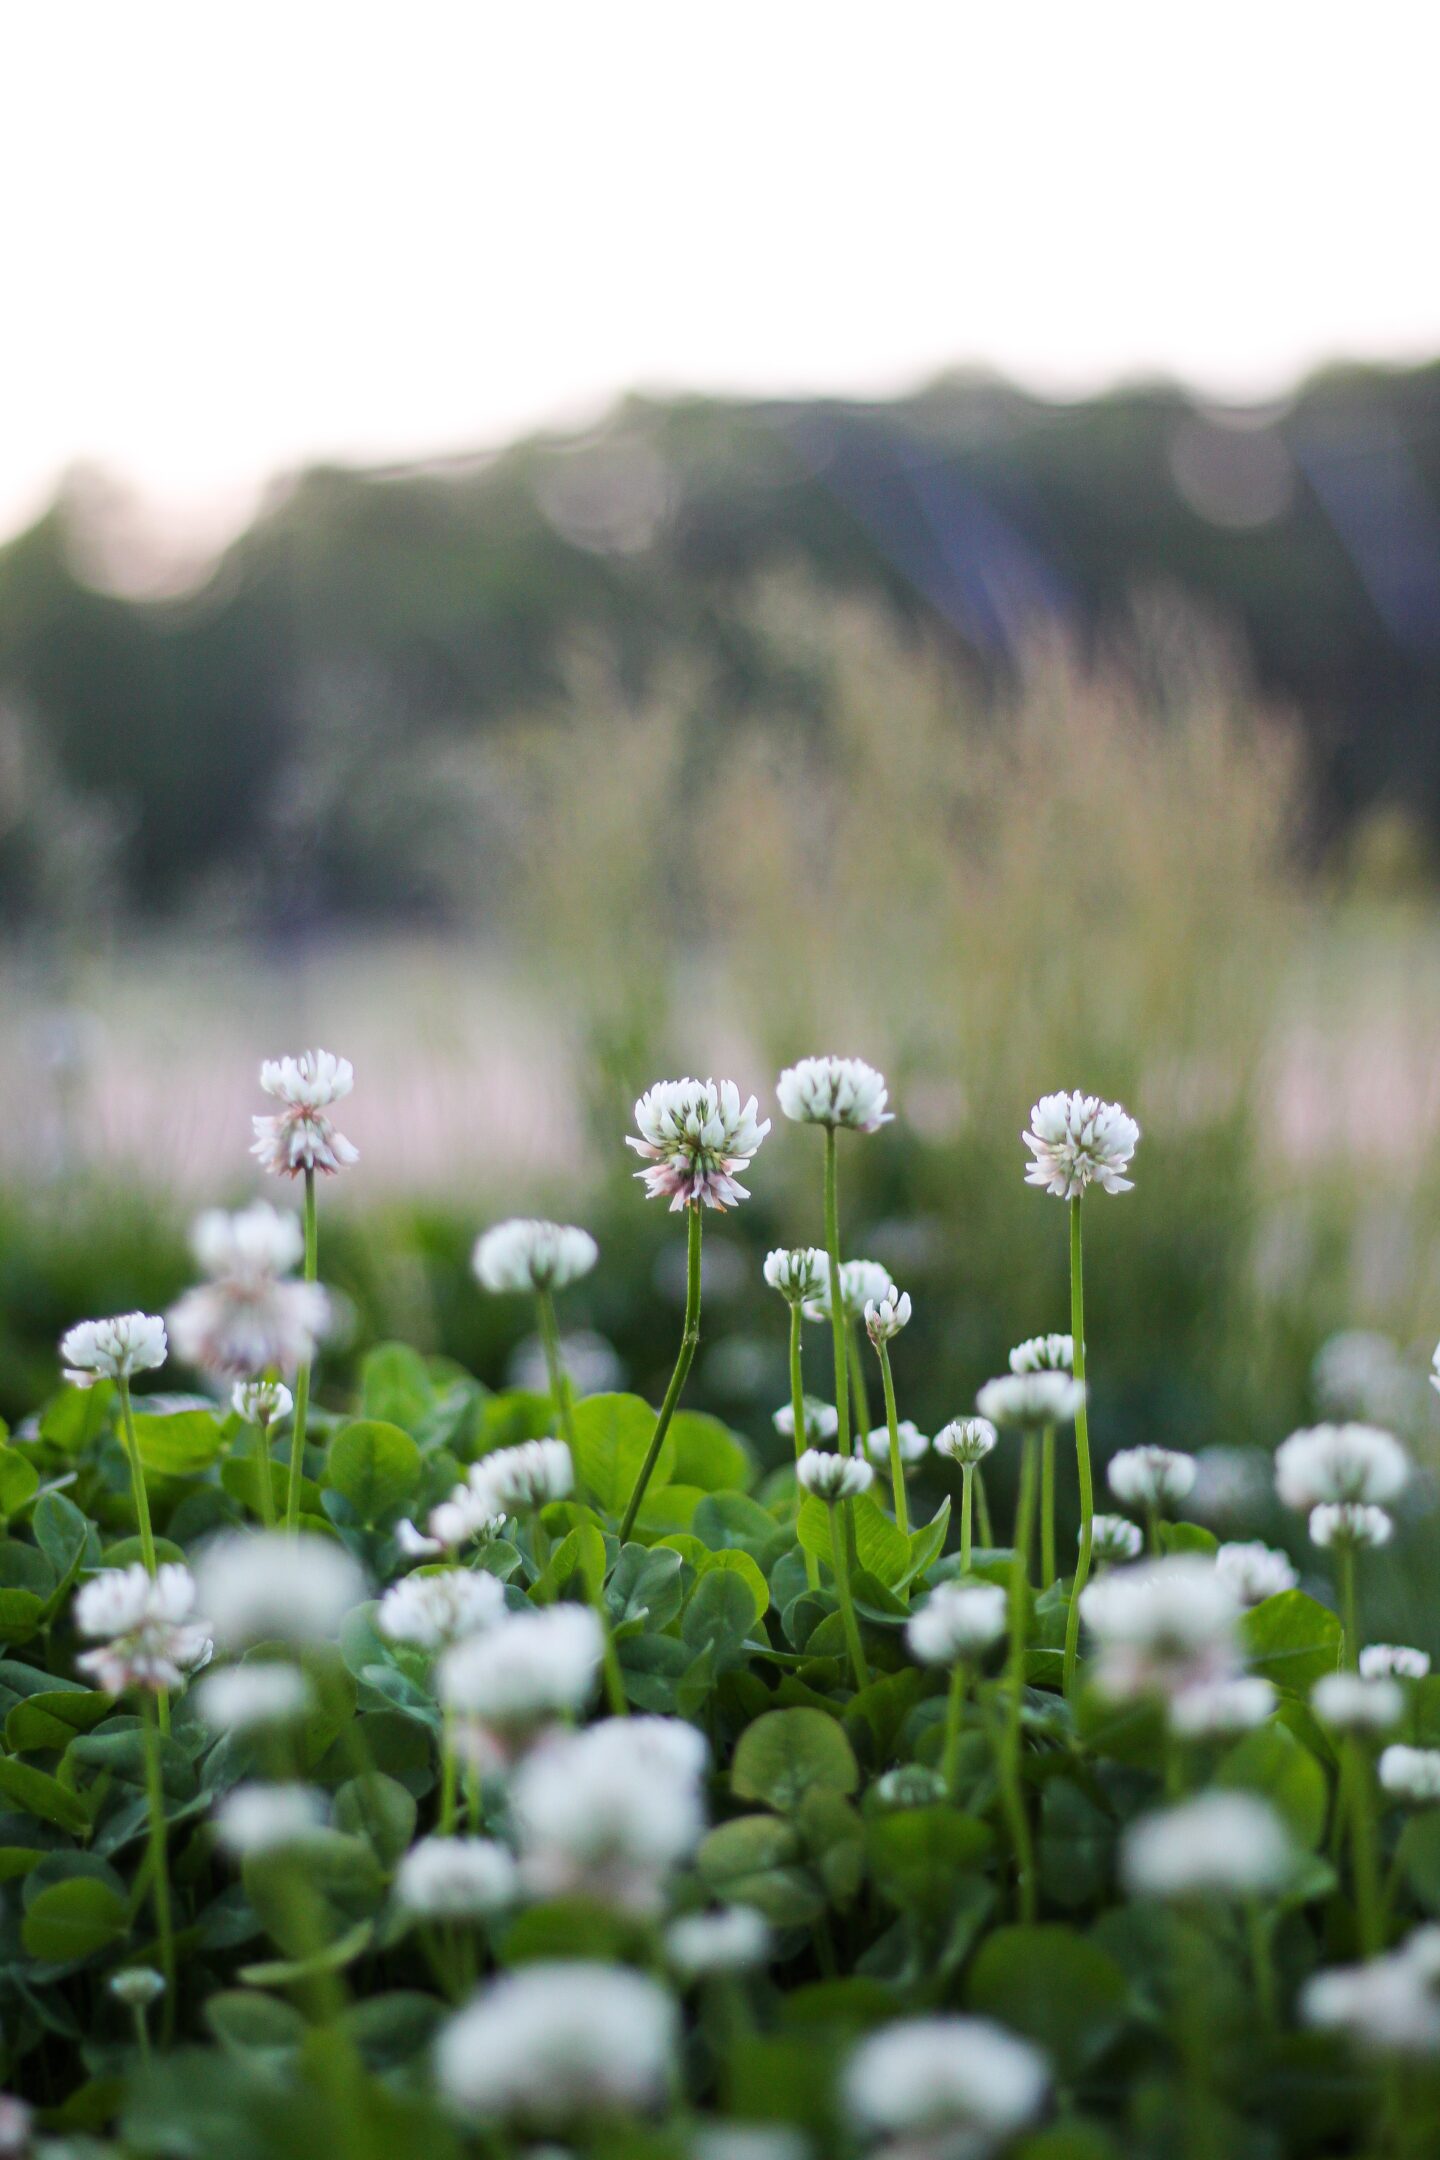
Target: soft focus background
[549, 555]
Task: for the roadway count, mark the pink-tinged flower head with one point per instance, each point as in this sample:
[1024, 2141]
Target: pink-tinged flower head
[696, 1136]
[252, 1315]
[1078, 1140]
[153, 1640]
[301, 1136]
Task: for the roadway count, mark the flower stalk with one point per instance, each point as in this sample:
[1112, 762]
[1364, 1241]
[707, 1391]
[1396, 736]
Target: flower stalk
[1019, 1601]
[838, 1330]
[137, 1475]
[555, 1365]
[797, 1411]
[1082, 1449]
[840, 1562]
[159, 1869]
[897, 1467]
[302, 1377]
[688, 1341]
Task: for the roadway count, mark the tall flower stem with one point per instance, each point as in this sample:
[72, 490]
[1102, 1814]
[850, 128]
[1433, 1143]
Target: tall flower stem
[137, 1476]
[982, 1510]
[954, 1714]
[797, 1412]
[897, 1468]
[1349, 1611]
[1019, 1599]
[837, 1297]
[851, 1625]
[302, 1378]
[688, 1341]
[449, 1776]
[1047, 1507]
[967, 1495]
[159, 1869]
[555, 1366]
[264, 1483]
[1364, 1866]
[859, 1392]
[1082, 1450]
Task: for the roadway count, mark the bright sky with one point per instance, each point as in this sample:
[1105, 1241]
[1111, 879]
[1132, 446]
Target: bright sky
[241, 234]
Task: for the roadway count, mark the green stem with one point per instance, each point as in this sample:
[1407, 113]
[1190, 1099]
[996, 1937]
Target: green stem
[859, 1392]
[797, 1411]
[897, 1468]
[449, 1776]
[982, 1511]
[688, 1341]
[967, 1495]
[159, 1872]
[837, 1297]
[1082, 1450]
[262, 1476]
[1019, 1598]
[302, 1378]
[1364, 1867]
[137, 1476]
[555, 1366]
[1047, 1507]
[1262, 1963]
[954, 1714]
[1349, 1611]
[847, 1604]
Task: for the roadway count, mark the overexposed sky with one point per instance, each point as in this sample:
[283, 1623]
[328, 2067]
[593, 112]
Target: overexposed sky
[241, 236]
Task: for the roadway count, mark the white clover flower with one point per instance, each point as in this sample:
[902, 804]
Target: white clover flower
[958, 2086]
[1255, 1571]
[257, 1240]
[1215, 1707]
[887, 1314]
[860, 1281]
[151, 1638]
[957, 1620]
[457, 1878]
[470, 1512]
[1044, 1353]
[966, 1440]
[696, 1136]
[433, 1611]
[834, 1091]
[822, 1420]
[1348, 1523]
[914, 1445]
[1232, 1485]
[1162, 1627]
[1324, 1463]
[727, 2140]
[610, 1812]
[261, 1402]
[1114, 1539]
[1394, 1659]
[112, 1349]
[528, 1255]
[136, 1986]
[833, 1477]
[1078, 1140]
[301, 1137]
[1388, 2006]
[1031, 1399]
[559, 2042]
[17, 2121]
[268, 1818]
[513, 1679]
[529, 1475]
[1224, 1845]
[262, 1587]
[1150, 1477]
[1358, 1373]
[1349, 1703]
[251, 1315]
[798, 1273]
[1410, 1773]
[734, 1939]
[247, 1698]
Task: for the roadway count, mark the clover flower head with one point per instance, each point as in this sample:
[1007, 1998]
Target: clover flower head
[17, 2122]
[256, 1240]
[966, 1440]
[261, 1402]
[610, 1812]
[734, 1939]
[834, 1091]
[822, 1419]
[1222, 1845]
[1077, 1141]
[1044, 1353]
[513, 1679]
[831, 1477]
[301, 1136]
[457, 1878]
[1232, 1704]
[254, 1696]
[263, 1587]
[798, 1272]
[151, 1637]
[528, 1475]
[957, 1620]
[945, 2084]
[1397, 1660]
[527, 1255]
[1255, 1571]
[268, 1818]
[112, 1349]
[1163, 1626]
[1114, 1539]
[470, 1512]
[1031, 1400]
[887, 1314]
[860, 1282]
[1353, 1462]
[1350, 1524]
[432, 1611]
[136, 1986]
[557, 2043]
[1348, 1702]
[696, 1135]
[1151, 1477]
[1410, 1773]
[250, 1315]
[914, 1445]
[1389, 2006]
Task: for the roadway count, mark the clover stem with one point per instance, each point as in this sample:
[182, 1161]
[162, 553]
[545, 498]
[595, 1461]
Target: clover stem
[797, 1411]
[688, 1341]
[137, 1475]
[449, 1776]
[302, 1377]
[1047, 1507]
[837, 1297]
[847, 1604]
[897, 1468]
[555, 1366]
[954, 1713]
[1082, 1449]
[159, 1871]
[1019, 1599]
[967, 1495]
[859, 1392]
[1349, 1611]
[982, 1510]
[1363, 1864]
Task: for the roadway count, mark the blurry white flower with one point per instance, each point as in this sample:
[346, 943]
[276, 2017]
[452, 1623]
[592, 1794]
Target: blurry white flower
[514, 1678]
[1349, 1703]
[457, 1878]
[257, 1240]
[1162, 1627]
[1031, 1399]
[593, 1366]
[734, 1939]
[1411, 1773]
[957, 2086]
[301, 1137]
[1435, 1369]
[263, 1587]
[1044, 1353]
[261, 1402]
[471, 1511]
[432, 1611]
[887, 1314]
[966, 1439]
[151, 1639]
[1078, 1140]
[1224, 1844]
[528, 1255]
[724, 2139]
[1341, 1463]
[1220, 1706]
[610, 1812]
[1113, 1540]
[246, 1698]
[1347, 1523]
[798, 1273]
[1255, 1571]
[696, 1136]
[913, 1444]
[1150, 1476]
[552, 2043]
[860, 1281]
[16, 2123]
[1359, 1373]
[957, 1620]
[1395, 1659]
[251, 1315]
[1232, 1484]
[833, 1477]
[821, 1419]
[529, 1475]
[1389, 2006]
[136, 1986]
[112, 1349]
[268, 1818]
[834, 1091]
